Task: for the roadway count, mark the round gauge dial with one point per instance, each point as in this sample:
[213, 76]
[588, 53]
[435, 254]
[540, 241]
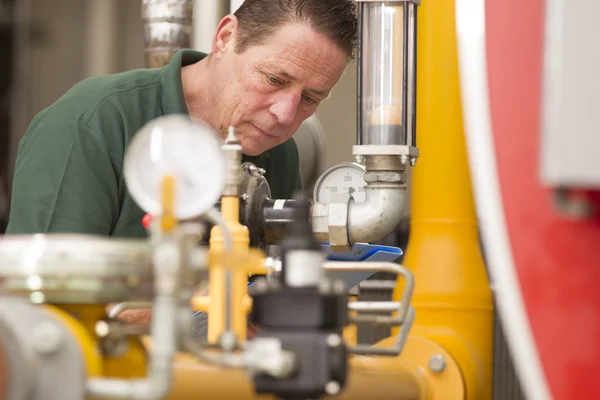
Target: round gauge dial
[188, 151]
[340, 179]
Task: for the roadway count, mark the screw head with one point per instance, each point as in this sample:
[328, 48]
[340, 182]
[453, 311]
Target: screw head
[46, 337]
[437, 363]
[325, 286]
[339, 286]
[334, 340]
[332, 388]
[102, 328]
[228, 341]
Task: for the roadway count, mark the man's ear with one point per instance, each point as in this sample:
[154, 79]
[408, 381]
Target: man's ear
[225, 36]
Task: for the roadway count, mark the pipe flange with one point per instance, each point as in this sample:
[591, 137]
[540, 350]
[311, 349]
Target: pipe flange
[44, 360]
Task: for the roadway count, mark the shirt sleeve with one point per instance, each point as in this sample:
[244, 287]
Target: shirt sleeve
[64, 182]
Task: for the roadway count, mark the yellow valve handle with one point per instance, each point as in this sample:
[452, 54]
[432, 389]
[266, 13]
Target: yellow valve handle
[252, 261]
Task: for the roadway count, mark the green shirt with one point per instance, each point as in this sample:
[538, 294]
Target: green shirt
[69, 169]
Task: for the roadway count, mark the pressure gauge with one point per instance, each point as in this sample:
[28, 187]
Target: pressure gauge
[340, 179]
[188, 151]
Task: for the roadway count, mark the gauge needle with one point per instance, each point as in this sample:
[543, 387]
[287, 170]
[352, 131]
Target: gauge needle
[350, 192]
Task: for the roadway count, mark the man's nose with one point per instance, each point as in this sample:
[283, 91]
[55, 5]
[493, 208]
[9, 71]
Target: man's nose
[285, 107]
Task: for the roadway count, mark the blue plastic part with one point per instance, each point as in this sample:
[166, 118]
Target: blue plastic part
[360, 252]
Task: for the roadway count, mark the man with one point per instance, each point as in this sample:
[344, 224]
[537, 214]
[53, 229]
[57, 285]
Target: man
[271, 64]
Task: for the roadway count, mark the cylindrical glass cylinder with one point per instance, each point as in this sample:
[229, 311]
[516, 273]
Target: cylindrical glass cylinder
[382, 73]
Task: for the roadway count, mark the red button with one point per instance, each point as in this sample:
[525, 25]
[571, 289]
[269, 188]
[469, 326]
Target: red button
[146, 221]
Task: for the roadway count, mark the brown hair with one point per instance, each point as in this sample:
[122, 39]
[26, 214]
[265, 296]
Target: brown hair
[259, 19]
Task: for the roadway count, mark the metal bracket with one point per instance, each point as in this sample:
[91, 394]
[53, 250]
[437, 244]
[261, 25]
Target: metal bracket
[405, 313]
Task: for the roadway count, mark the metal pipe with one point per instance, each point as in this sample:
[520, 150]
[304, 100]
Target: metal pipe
[374, 306]
[207, 14]
[368, 378]
[382, 73]
[163, 332]
[277, 217]
[378, 215]
[158, 383]
[390, 267]
[167, 29]
[410, 93]
[102, 33]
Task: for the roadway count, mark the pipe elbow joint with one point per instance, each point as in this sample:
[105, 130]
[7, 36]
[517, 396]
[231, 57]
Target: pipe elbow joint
[378, 216]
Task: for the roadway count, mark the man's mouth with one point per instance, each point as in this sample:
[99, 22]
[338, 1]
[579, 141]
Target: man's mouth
[263, 133]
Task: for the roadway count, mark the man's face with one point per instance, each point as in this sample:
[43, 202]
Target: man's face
[267, 91]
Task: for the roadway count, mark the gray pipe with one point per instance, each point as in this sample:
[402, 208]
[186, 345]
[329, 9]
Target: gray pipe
[167, 29]
[379, 215]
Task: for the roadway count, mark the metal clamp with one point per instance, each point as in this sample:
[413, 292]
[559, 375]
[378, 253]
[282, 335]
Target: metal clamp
[405, 313]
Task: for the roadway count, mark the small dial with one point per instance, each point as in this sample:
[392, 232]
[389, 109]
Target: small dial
[188, 151]
[341, 179]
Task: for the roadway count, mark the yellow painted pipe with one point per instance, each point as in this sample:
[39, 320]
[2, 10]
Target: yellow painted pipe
[81, 321]
[452, 297]
[406, 377]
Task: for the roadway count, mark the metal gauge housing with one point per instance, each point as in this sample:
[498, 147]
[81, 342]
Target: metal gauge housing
[340, 179]
[188, 151]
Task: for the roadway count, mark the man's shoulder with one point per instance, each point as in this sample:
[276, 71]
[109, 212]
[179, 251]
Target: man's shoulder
[103, 96]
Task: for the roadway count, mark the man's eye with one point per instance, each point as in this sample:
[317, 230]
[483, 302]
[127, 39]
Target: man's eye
[274, 80]
[309, 100]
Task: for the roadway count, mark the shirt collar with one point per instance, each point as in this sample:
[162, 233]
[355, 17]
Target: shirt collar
[173, 101]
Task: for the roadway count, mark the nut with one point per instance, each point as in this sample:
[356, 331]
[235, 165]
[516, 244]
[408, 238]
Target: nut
[385, 176]
[332, 388]
[319, 222]
[437, 363]
[334, 340]
[338, 226]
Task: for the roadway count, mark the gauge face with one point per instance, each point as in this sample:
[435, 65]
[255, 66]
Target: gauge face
[188, 151]
[340, 179]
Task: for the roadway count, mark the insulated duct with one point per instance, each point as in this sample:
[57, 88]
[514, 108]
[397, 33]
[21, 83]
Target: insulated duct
[167, 29]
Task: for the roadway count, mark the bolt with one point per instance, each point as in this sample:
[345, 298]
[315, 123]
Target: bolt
[334, 340]
[413, 161]
[325, 286]
[332, 388]
[437, 363]
[228, 341]
[339, 286]
[102, 329]
[403, 159]
[46, 337]
[261, 171]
